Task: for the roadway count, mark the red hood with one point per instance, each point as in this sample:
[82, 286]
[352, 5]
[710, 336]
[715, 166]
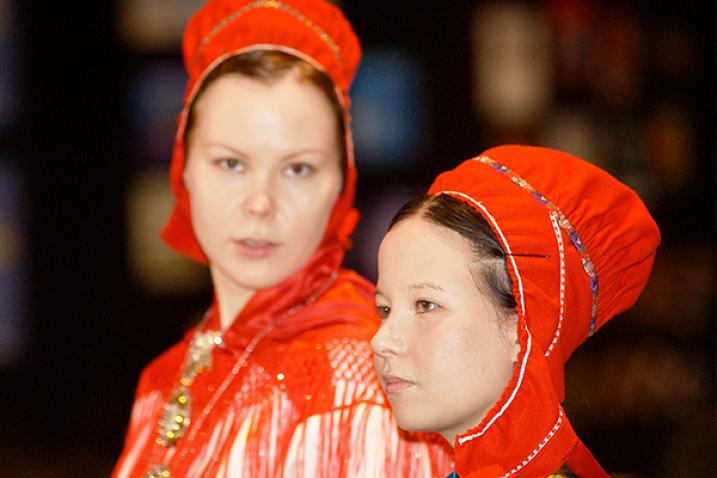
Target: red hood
[313, 30]
[579, 247]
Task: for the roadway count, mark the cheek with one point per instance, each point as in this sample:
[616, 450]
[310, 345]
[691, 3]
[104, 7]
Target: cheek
[442, 355]
[488, 360]
[204, 200]
[309, 206]
[461, 358]
[208, 201]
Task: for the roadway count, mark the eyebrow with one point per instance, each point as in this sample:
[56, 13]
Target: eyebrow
[320, 153]
[282, 160]
[426, 285]
[422, 285]
[212, 144]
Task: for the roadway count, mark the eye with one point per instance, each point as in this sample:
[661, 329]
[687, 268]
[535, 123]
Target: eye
[231, 164]
[423, 306]
[299, 170]
[383, 311]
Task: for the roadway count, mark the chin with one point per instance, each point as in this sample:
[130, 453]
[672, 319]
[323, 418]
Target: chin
[260, 275]
[411, 422]
[241, 279]
[263, 283]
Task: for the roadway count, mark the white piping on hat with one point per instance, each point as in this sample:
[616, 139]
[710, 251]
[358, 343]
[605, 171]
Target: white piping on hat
[272, 47]
[503, 240]
[561, 252]
[540, 446]
[523, 366]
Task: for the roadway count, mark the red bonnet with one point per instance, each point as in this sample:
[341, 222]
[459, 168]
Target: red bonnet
[581, 244]
[313, 30]
[579, 248]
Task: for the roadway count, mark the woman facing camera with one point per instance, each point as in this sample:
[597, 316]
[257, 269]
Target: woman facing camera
[485, 288]
[277, 379]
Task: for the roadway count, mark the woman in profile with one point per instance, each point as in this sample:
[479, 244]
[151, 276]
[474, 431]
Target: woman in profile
[485, 288]
[277, 379]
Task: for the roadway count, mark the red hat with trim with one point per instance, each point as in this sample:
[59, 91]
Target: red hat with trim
[313, 30]
[579, 248]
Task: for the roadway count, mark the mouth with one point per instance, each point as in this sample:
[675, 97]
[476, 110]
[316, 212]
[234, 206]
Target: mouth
[393, 384]
[255, 248]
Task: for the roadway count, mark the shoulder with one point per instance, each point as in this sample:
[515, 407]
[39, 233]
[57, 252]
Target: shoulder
[161, 372]
[349, 322]
[332, 353]
[350, 286]
[336, 362]
[344, 350]
[344, 310]
[155, 381]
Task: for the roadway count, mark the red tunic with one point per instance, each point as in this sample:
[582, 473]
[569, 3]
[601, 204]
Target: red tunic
[304, 402]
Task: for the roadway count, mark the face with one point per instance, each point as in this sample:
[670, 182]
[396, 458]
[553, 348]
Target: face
[441, 353]
[263, 172]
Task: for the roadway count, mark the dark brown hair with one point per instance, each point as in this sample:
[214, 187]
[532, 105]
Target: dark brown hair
[269, 66]
[489, 272]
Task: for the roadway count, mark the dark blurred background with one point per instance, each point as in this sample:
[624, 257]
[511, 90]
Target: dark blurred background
[88, 103]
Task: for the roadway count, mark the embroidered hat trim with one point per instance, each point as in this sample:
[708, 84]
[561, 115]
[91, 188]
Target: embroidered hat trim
[277, 6]
[564, 224]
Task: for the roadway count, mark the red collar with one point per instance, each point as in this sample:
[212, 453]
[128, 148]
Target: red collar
[268, 305]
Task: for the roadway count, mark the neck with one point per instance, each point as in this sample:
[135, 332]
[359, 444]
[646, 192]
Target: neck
[450, 438]
[231, 297]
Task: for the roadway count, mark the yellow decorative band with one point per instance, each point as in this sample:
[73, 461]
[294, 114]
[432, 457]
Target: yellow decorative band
[277, 6]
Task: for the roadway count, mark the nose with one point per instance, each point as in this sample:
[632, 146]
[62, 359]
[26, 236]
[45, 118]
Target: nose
[259, 202]
[386, 341]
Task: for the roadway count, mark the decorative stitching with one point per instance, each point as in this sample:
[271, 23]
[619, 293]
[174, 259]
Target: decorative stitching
[503, 240]
[277, 6]
[524, 363]
[540, 446]
[564, 223]
[523, 366]
[561, 252]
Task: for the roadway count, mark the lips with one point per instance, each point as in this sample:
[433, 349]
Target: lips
[255, 248]
[393, 384]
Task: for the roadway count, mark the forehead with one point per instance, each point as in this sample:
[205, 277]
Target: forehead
[244, 112]
[234, 89]
[416, 248]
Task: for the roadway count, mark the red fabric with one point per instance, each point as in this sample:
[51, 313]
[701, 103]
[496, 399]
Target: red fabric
[526, 432]
[318, 364]
[223, 28]
[307, 403]
[580, 461]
